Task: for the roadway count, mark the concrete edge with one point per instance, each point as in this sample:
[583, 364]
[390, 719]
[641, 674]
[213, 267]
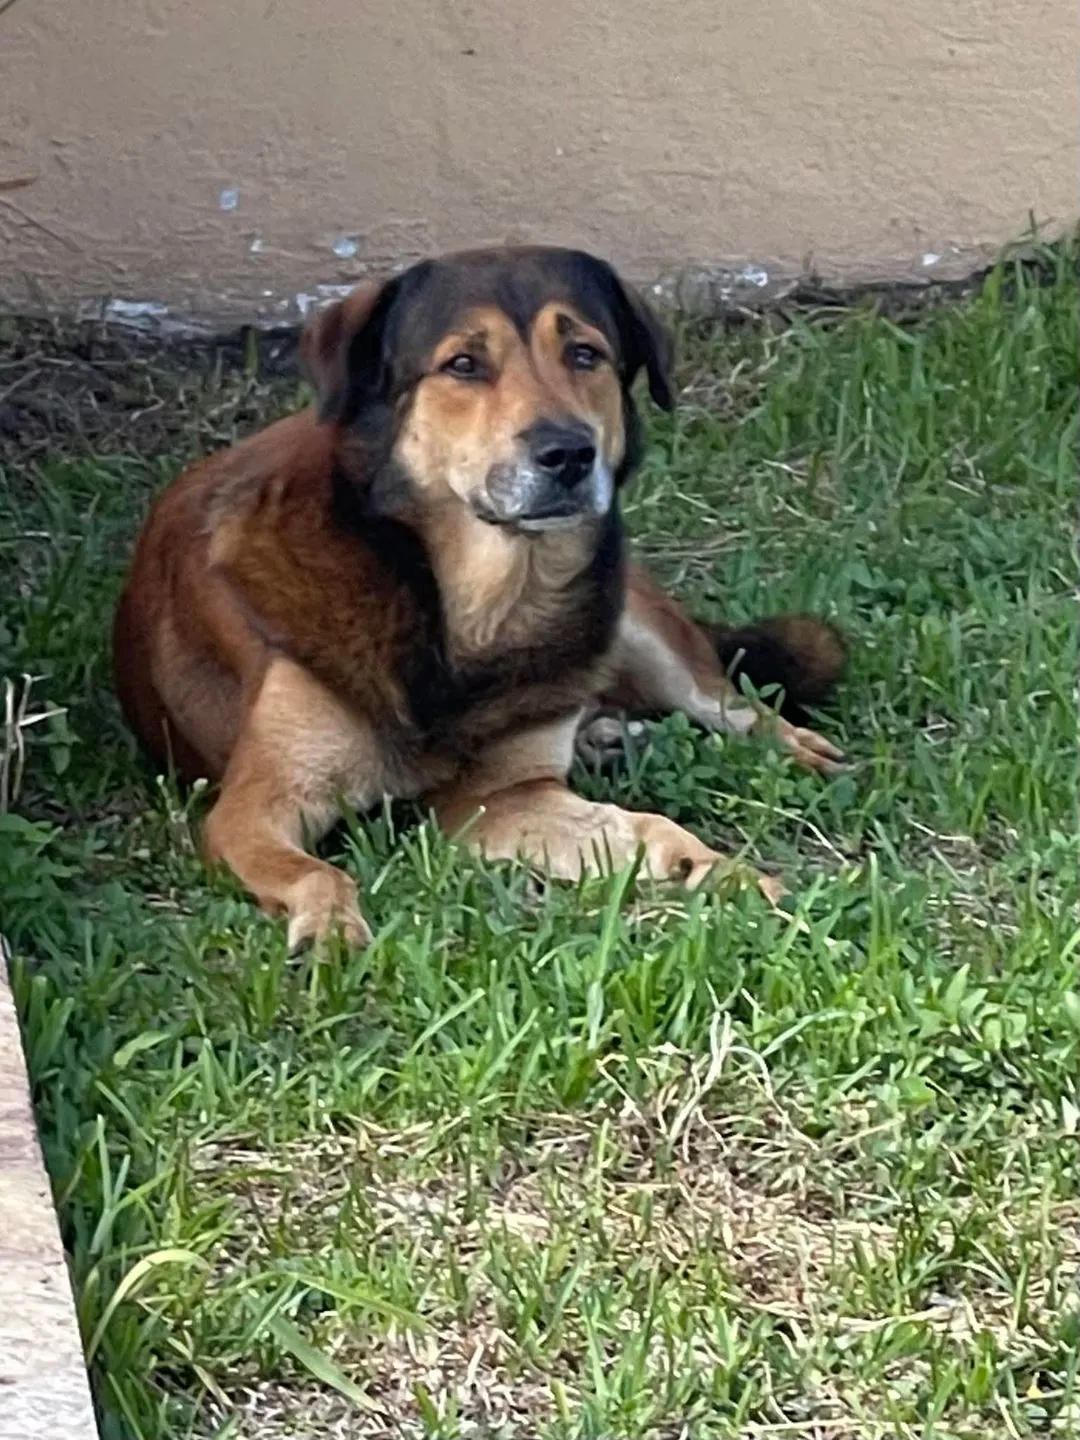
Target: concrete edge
[44, 1389]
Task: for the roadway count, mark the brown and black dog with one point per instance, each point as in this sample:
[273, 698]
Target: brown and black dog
[420, 588]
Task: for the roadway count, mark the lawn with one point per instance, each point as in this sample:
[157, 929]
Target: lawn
[606, 1161]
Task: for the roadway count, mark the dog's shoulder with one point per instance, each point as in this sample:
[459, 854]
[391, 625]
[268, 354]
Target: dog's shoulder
[291, 458]
[314, 579]
[215, 499]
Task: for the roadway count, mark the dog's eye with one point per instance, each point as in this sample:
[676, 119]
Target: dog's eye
[464, 366]
[584, 357]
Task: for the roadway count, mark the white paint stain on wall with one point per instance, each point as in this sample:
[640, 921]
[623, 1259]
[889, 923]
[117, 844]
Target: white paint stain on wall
[134, 310]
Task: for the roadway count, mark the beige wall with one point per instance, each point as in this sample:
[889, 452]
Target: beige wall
[211, 154]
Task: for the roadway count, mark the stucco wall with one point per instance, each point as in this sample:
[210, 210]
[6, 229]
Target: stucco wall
[231, 155]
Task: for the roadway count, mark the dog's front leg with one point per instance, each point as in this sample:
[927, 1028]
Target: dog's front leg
[298, 752]
[516, 805]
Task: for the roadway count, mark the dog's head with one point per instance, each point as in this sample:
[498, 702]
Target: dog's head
[500, 379]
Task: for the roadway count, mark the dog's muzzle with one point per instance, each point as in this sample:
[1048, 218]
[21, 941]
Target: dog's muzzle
[560, 480]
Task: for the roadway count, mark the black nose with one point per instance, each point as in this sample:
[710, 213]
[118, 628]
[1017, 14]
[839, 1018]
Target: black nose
[565, 452]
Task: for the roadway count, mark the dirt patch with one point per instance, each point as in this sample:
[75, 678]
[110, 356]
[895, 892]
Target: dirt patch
[83, 389]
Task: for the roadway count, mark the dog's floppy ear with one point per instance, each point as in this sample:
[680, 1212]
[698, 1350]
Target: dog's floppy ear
[342, 350]
[647, 345]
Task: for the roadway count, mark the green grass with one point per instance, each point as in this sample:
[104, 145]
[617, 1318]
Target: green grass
[608, 1162]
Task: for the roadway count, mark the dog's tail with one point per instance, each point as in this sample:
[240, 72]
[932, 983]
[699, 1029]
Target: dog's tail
[804, 656]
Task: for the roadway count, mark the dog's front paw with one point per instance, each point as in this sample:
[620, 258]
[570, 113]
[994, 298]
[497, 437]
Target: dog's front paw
[311, 927]
[325, 904]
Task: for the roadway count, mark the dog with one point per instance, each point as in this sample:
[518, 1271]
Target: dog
[419, 587]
